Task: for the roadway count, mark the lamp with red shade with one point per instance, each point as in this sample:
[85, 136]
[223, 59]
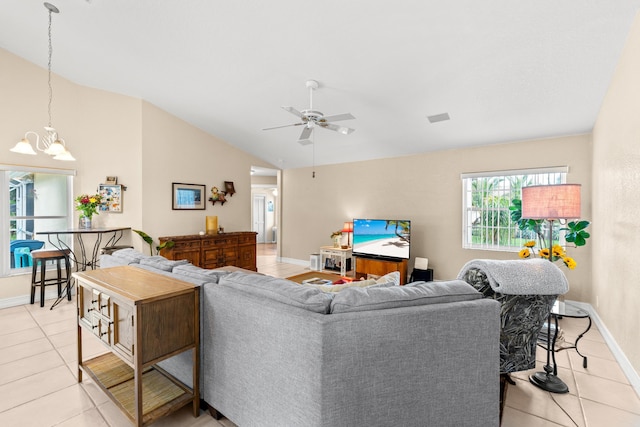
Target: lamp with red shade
[550, 202]
[348, 228]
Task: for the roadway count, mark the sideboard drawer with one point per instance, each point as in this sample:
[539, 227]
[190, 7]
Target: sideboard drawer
[244, 240]
[227, 241]
[187, 244]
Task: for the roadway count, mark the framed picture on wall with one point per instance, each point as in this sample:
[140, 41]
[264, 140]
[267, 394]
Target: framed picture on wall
[111, 198]
[188, 196]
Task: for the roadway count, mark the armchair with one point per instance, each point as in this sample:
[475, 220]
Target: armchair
[526, 290]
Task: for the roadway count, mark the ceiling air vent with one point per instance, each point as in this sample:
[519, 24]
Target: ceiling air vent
[438, 117]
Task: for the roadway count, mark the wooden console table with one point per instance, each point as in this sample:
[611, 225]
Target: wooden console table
[142, 318]
[380, 267]
[214, 250]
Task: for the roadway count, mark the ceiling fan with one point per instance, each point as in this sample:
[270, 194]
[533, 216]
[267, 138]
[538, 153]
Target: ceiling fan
[311, 118]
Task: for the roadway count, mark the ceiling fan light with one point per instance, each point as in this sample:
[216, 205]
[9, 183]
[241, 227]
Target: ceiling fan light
[23, 147]
[65, 156]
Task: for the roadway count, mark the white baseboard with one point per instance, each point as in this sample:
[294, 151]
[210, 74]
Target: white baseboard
[49, 297]
[303, 263]
[622, 360]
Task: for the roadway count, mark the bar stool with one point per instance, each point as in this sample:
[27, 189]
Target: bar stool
[40, 257]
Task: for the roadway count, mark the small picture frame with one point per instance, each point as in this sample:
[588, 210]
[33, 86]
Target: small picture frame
[188, 196]
[111, 198]
[111, 180]
[228, 188]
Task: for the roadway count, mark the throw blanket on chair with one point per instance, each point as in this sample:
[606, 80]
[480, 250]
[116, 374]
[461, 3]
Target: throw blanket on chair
[520, 277]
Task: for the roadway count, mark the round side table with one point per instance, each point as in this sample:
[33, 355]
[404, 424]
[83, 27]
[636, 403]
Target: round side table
[562, 309]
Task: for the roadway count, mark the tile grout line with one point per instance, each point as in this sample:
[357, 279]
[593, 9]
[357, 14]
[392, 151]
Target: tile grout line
[582, 411]
[80, 384]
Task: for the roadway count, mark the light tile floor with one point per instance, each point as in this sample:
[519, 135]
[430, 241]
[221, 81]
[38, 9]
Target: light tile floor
[38, 376]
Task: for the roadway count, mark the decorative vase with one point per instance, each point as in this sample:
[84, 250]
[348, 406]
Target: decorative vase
[336, 241]
[85, 222]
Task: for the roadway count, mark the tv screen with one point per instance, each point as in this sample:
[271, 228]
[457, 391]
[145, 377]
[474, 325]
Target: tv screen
[381, 238]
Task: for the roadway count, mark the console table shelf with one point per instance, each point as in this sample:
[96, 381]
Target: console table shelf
[161, 394]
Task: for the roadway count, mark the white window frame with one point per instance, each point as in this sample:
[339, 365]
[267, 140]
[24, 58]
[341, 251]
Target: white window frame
[5, 217]
[497, 232]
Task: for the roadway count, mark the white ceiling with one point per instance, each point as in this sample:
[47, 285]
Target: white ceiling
[504, 70]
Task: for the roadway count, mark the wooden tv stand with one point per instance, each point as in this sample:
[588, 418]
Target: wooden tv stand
[380, 267]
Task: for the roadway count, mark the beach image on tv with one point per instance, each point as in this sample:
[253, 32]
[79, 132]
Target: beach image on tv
[380, 237]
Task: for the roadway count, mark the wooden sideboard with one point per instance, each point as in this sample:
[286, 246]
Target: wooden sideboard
[214, 250]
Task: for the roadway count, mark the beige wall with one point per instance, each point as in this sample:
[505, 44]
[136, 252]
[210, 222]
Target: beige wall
[110, 134]
[426, 189]
[616, 180]
[174, 151]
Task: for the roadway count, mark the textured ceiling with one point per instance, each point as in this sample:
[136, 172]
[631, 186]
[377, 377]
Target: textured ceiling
[504, 70]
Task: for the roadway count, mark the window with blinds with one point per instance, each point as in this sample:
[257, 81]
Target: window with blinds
[486, 197]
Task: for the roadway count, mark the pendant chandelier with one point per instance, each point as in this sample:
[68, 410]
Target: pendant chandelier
[50, 143]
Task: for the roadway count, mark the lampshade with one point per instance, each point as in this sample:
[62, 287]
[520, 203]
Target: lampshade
[23, 147]
[55, 148]
[347, 227]
[551, 201]
[65, 155]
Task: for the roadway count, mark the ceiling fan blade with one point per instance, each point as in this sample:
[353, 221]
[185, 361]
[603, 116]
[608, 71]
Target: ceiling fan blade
[304, 136]
[284, 126]
[338, 117]
[341, 129]
[293, 111]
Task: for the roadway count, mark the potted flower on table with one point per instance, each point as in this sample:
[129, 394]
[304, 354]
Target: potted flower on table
[88, 206]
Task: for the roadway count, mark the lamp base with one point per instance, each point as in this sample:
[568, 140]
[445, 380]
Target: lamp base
[548, 382]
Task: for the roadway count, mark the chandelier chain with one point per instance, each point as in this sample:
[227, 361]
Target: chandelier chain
[49, 69]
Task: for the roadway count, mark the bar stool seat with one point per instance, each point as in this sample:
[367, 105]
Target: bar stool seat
[40, 258]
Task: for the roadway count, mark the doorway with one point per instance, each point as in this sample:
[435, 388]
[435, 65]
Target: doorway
[265, 211]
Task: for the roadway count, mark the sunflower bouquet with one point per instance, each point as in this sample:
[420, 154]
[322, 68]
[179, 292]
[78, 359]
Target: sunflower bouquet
[557, 253]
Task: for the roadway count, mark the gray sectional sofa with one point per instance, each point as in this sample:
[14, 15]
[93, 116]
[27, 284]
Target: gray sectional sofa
[277, 353]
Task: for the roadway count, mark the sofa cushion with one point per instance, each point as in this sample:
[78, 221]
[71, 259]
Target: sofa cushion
[282, 290]
[378, 298]
[190, 270]
[161, 263]
[393, 277]
[197, 282]
[131, 256]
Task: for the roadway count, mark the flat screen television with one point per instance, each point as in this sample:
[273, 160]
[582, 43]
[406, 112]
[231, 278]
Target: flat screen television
[381, 238]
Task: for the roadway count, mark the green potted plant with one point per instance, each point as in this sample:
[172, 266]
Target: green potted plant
[149, 240]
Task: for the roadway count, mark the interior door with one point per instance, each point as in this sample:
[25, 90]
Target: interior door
[258, 214]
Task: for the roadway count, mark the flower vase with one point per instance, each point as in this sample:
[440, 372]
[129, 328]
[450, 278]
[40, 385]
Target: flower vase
[336, 241]
[85, 222]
